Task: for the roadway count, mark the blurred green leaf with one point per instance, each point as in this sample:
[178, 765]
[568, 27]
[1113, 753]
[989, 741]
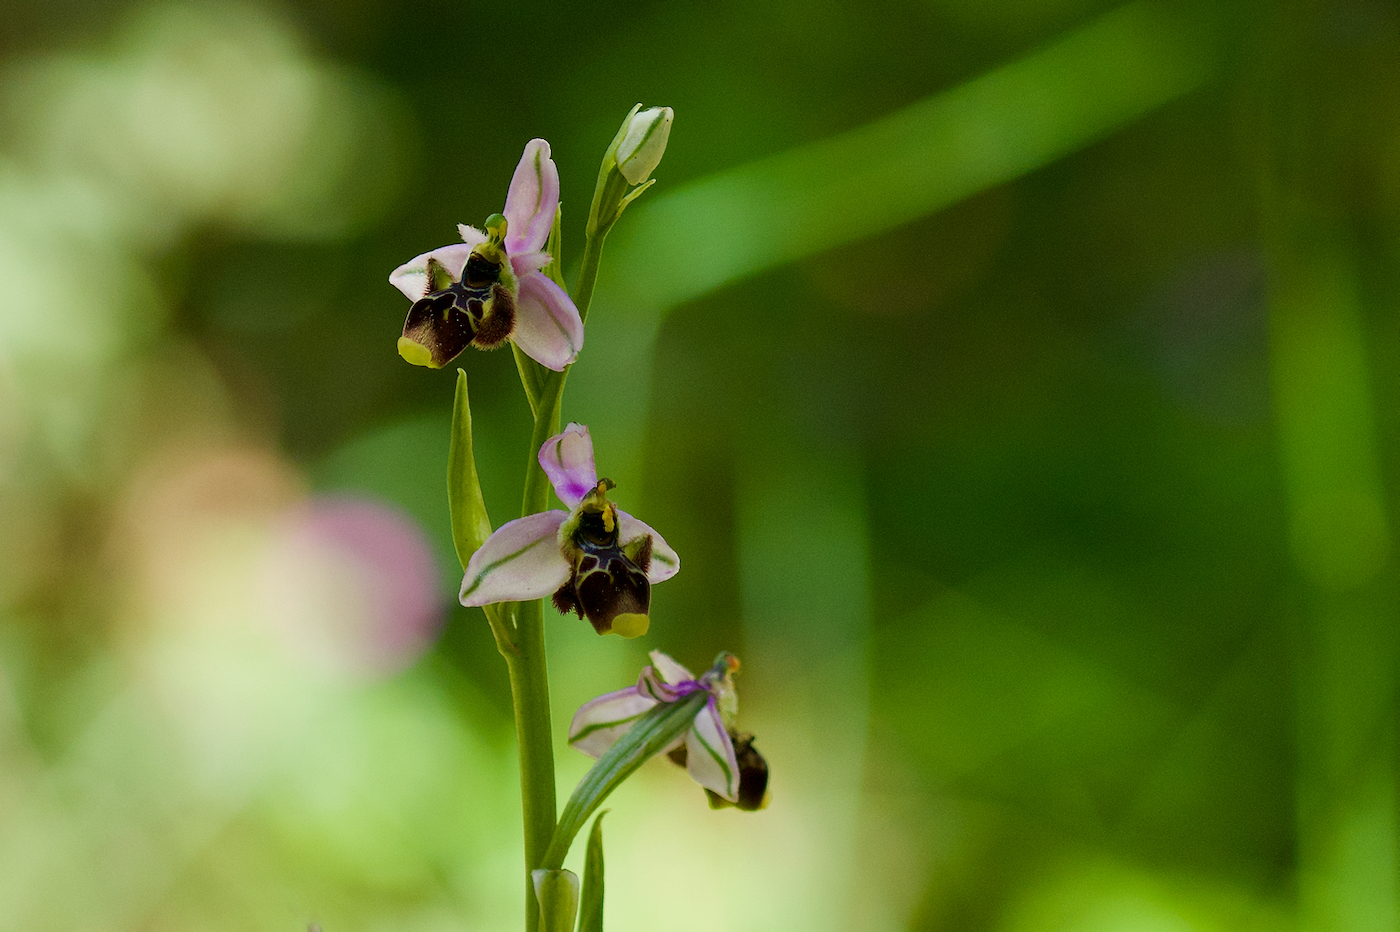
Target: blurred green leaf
[996, 127]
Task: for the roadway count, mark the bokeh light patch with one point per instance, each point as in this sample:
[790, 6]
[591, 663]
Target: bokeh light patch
[354, 585]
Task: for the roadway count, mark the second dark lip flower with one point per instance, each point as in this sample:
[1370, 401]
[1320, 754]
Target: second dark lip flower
[489, 288]
[595, 559]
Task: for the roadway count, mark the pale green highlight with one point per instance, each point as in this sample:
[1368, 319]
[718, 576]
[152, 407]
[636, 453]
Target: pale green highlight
[1326, 424]
[950, 146]
[911, 163]
[1346, 796]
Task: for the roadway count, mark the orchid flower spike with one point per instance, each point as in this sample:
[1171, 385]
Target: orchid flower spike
[489, 288]
[719, 758]
[595, 559]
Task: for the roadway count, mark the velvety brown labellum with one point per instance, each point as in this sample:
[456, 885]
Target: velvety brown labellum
[477, 311]
[605, 581]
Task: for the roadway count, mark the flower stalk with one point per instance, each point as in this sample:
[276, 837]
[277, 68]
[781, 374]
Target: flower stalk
[505, 284]
[529, 677]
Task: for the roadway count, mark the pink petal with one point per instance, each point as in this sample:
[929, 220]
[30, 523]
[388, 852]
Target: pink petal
[670, 671]
[665, 562]
[600, 722]
[412, 277]
[547, 325]
[567, 459]
[709, 754]
[471, 235]
[532, 199]
[521, 561]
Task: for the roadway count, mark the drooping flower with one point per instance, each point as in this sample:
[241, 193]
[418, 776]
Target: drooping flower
[595, 559]
[489, 288]
[719, 758]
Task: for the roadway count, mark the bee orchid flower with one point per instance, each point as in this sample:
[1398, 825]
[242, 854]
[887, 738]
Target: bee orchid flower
[595, 559]
[717, 757]
[489, 288]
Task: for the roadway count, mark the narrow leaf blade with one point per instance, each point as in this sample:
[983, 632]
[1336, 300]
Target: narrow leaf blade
[590, 916]
[470, 523]
[653, 733]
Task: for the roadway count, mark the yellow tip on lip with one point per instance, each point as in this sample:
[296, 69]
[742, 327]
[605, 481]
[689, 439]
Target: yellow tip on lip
[415, 353]
[631, 625]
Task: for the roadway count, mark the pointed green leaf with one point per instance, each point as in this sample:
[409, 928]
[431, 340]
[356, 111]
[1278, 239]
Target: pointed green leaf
[636, 193]
[470, 523]
[652, 734]
[590, 916]
[557, 893]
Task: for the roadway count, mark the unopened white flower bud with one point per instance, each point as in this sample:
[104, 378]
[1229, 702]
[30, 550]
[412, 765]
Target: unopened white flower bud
[644, 143]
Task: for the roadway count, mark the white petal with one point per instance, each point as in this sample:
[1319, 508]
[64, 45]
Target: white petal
[567, 459]
[600, 722]
[671, 672]
[709, 754]
[412, 277]
[547, 325]
[521, 561]
[665, 562]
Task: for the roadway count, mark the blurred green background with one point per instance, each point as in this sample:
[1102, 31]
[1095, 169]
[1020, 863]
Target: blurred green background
[1017, 379]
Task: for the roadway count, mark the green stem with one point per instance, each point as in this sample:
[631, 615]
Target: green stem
[588, 273]
[529, 686]
[529, 678]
